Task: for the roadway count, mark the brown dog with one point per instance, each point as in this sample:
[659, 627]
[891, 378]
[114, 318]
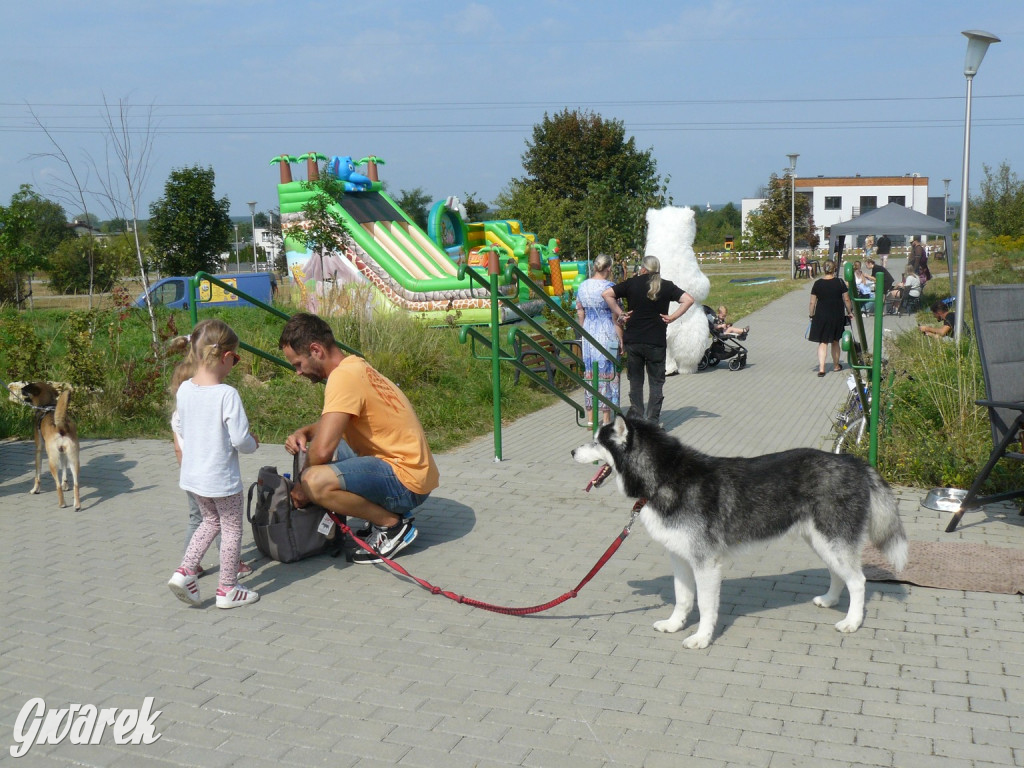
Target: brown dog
[55, 431]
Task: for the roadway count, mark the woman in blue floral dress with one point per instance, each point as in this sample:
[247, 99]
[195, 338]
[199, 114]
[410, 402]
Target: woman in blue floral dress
[596, 318]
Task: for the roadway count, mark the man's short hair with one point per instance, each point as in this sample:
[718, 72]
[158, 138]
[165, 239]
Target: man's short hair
[302, 329]
[938, 306]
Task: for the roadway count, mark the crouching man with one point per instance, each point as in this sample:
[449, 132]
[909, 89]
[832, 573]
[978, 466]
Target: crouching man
[367, 456]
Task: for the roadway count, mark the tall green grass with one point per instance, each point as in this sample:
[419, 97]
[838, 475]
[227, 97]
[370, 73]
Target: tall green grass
[935, 434]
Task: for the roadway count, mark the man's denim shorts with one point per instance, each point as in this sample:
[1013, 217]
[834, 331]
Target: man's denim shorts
[374, 479]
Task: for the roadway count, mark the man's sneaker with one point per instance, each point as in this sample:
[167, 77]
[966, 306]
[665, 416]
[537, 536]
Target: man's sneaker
[236, 596]
[185, 587]
[387, 542]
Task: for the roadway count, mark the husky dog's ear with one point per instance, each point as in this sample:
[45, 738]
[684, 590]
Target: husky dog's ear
[620, 429]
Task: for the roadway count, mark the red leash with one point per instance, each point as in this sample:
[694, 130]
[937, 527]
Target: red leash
[497, 608]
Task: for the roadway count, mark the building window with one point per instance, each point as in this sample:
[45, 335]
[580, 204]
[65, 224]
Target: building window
[868, 203]
[833, 203]
[898, 199]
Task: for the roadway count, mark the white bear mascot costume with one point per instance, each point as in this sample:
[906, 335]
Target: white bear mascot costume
[670, 235]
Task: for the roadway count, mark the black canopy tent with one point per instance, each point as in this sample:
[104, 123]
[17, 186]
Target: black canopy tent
[895, 219]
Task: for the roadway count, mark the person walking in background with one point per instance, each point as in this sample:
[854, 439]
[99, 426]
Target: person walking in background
[869, 245]
[884, 247]
[830, 306]
[914, 257]
[596, 318]
[646, 322]
[212, 430]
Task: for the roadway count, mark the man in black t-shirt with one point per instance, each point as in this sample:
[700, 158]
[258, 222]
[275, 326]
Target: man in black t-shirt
[948, 319]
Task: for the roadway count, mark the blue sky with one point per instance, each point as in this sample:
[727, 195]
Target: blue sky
[448, 93]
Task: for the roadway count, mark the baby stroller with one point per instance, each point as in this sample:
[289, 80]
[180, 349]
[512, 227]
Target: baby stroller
[724, 346]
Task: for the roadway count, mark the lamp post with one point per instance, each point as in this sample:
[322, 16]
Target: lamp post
[945, 200]
[238, 264]
[792, 214]
[252, 213]
[977, 44]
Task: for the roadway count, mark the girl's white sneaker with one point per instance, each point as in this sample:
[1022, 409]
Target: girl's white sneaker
[236, 596]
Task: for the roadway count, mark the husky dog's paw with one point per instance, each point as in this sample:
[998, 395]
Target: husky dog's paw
[697, 641]
[848, 625]
[671, 624]
[825, 601]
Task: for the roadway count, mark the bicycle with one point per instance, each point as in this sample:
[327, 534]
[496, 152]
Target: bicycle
[851, 423]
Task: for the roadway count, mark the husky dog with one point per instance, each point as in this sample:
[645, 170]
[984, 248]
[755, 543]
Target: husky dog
[54, 432]
[702, 508]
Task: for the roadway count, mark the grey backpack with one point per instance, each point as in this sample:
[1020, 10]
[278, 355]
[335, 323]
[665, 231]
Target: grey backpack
[281, 531]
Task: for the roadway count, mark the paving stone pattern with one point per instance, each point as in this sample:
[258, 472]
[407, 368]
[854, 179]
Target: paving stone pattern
[345, 665]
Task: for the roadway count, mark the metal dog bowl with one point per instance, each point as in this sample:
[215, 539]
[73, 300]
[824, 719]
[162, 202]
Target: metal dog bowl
[944, 499]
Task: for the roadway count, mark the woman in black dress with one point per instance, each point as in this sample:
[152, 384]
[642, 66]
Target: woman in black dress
[830, 306]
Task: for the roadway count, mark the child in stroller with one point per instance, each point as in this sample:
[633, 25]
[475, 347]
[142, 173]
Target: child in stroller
[725, 342]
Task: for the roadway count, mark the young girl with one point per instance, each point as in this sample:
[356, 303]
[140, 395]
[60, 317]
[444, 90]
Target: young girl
[182, 371]
[212, 428]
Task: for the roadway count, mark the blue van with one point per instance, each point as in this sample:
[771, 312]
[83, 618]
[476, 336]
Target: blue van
[172, 292]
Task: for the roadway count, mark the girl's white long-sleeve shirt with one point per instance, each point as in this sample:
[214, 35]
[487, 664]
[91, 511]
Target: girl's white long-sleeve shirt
[212, 429]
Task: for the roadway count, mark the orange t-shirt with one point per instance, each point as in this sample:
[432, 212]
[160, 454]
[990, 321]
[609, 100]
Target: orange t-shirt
[382, 424]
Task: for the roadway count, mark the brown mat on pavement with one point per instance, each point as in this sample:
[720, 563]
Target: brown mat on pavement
[952, 565]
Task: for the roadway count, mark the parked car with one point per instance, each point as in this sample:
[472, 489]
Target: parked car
[172, 292]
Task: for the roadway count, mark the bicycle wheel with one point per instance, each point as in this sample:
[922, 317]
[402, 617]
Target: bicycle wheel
[850, 435]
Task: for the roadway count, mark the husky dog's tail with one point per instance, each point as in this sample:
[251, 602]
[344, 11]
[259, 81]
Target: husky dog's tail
[885, 529]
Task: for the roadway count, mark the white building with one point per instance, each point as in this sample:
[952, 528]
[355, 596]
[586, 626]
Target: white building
[841, 198]
[268, 246]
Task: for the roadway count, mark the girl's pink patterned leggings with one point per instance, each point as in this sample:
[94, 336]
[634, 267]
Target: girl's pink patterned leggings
[223, 516]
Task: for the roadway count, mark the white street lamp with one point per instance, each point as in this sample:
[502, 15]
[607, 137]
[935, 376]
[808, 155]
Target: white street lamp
[945, 199]
[238, 264]
[252, 213]
[792, 214]
[977, 44]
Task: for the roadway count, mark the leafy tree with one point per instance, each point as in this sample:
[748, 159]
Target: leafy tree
[476, 210]
[30, 228]
[113, 258]
[714, 226]
[586, 183]
[49, 226]
[769, 226]
[323, 230]
[188, 226]
[1000, 206]
[416, 203]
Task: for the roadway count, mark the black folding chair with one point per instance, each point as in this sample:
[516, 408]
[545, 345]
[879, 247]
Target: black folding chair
[999, 331]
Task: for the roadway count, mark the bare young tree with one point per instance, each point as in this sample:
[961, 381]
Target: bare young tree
[128, 149]
[121, 177]
[71, 193]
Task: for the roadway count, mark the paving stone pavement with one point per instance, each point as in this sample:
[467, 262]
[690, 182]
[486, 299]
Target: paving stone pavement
[347, 665]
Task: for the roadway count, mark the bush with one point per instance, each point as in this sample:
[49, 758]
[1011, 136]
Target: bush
[112, 258]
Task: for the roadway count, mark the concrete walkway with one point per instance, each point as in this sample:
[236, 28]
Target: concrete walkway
[346, 665]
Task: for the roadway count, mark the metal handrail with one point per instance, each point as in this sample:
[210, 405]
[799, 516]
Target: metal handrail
[517, 337]
[193, 310]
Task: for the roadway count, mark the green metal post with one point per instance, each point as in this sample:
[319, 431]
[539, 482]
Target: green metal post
[193, 308]
[493, 268]
[876, 371]
[594, 400]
